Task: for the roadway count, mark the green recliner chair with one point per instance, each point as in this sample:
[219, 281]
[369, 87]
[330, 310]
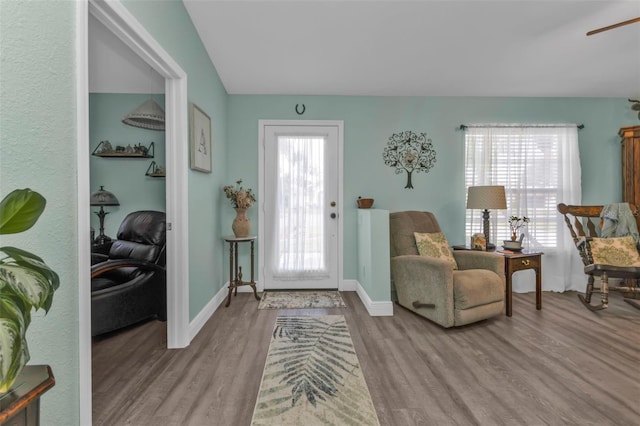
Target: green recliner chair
[432, 287]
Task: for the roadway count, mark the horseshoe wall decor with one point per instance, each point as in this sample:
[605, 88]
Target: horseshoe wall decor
[303, 109]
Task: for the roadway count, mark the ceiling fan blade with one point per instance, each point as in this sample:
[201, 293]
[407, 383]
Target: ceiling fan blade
[610, 27]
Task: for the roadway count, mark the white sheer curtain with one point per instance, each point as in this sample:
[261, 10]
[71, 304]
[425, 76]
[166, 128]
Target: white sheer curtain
[299, 251]
[539, 167]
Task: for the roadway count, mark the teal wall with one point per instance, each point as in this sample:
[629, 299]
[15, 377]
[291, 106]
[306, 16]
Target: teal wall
[124, 177]
[369, 121]
[38, 150]
[169, 23]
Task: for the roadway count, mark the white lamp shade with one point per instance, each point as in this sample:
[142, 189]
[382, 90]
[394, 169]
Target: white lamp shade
[486, 197]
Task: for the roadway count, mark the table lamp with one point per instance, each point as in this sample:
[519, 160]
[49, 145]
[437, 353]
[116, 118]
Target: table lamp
[103, 198]
[485, 198]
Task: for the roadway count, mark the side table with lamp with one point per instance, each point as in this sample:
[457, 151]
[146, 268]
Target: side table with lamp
[515, 259]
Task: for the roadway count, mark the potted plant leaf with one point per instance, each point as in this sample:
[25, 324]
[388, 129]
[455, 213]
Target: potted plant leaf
[26, 282]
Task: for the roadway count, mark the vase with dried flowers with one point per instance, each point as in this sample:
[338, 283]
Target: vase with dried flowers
[241, 199]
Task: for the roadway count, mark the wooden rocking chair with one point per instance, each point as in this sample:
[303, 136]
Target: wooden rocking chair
[577, 219]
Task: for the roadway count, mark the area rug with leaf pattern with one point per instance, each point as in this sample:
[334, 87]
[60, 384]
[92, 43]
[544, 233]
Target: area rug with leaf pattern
[307, 299]
[312, 376]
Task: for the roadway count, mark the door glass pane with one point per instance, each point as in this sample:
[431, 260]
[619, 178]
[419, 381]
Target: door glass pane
[300, 216]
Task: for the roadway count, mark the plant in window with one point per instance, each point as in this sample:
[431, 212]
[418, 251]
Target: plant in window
[516, 223]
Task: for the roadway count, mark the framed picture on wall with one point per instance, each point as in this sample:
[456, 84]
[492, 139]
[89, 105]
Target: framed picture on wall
[200, 131]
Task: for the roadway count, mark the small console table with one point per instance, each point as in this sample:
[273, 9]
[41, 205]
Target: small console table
[21, 405]
[235, 271]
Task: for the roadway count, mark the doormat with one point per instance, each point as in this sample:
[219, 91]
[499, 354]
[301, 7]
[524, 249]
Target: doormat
[310, 299]
[312, 376]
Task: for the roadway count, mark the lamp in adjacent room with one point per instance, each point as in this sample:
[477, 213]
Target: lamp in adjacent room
[486, 198]
[103, 198]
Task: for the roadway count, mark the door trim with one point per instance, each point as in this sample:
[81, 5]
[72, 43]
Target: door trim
[117, 18]
[84, 222]
[261, 190]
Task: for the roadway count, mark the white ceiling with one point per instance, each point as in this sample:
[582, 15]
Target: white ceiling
[398, 48]
[114, 68]
[422, 47]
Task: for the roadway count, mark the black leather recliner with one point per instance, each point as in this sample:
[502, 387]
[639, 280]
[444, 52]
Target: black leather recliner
[130, 286]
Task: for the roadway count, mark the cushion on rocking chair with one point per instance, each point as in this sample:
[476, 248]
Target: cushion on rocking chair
[616, 251]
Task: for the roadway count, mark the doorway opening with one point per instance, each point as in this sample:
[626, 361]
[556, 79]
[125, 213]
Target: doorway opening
[120, 22]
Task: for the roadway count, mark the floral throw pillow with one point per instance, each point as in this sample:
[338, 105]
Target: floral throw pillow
[618, 251]
[435, 245]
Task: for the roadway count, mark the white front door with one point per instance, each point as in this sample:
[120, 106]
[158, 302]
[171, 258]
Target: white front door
[300, 207]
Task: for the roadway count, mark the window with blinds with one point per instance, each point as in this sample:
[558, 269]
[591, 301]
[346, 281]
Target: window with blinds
[530, 162]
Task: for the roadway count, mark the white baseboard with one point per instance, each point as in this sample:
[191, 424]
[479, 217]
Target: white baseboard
[349, 285]
[203, 316]
[375, 309]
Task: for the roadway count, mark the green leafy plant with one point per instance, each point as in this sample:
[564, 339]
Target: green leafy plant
[26, 283]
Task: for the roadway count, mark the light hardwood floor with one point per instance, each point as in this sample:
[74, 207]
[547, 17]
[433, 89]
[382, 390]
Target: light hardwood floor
[563, 365]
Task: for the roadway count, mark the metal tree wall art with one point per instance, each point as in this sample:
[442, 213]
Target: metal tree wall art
[409, 152]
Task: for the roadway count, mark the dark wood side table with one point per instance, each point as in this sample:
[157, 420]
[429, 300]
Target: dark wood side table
[21, 405]
[515, 261]
[235, 271]
[520, 261]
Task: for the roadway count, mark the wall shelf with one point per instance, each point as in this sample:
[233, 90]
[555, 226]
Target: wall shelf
[104, 149]
[155, 171]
